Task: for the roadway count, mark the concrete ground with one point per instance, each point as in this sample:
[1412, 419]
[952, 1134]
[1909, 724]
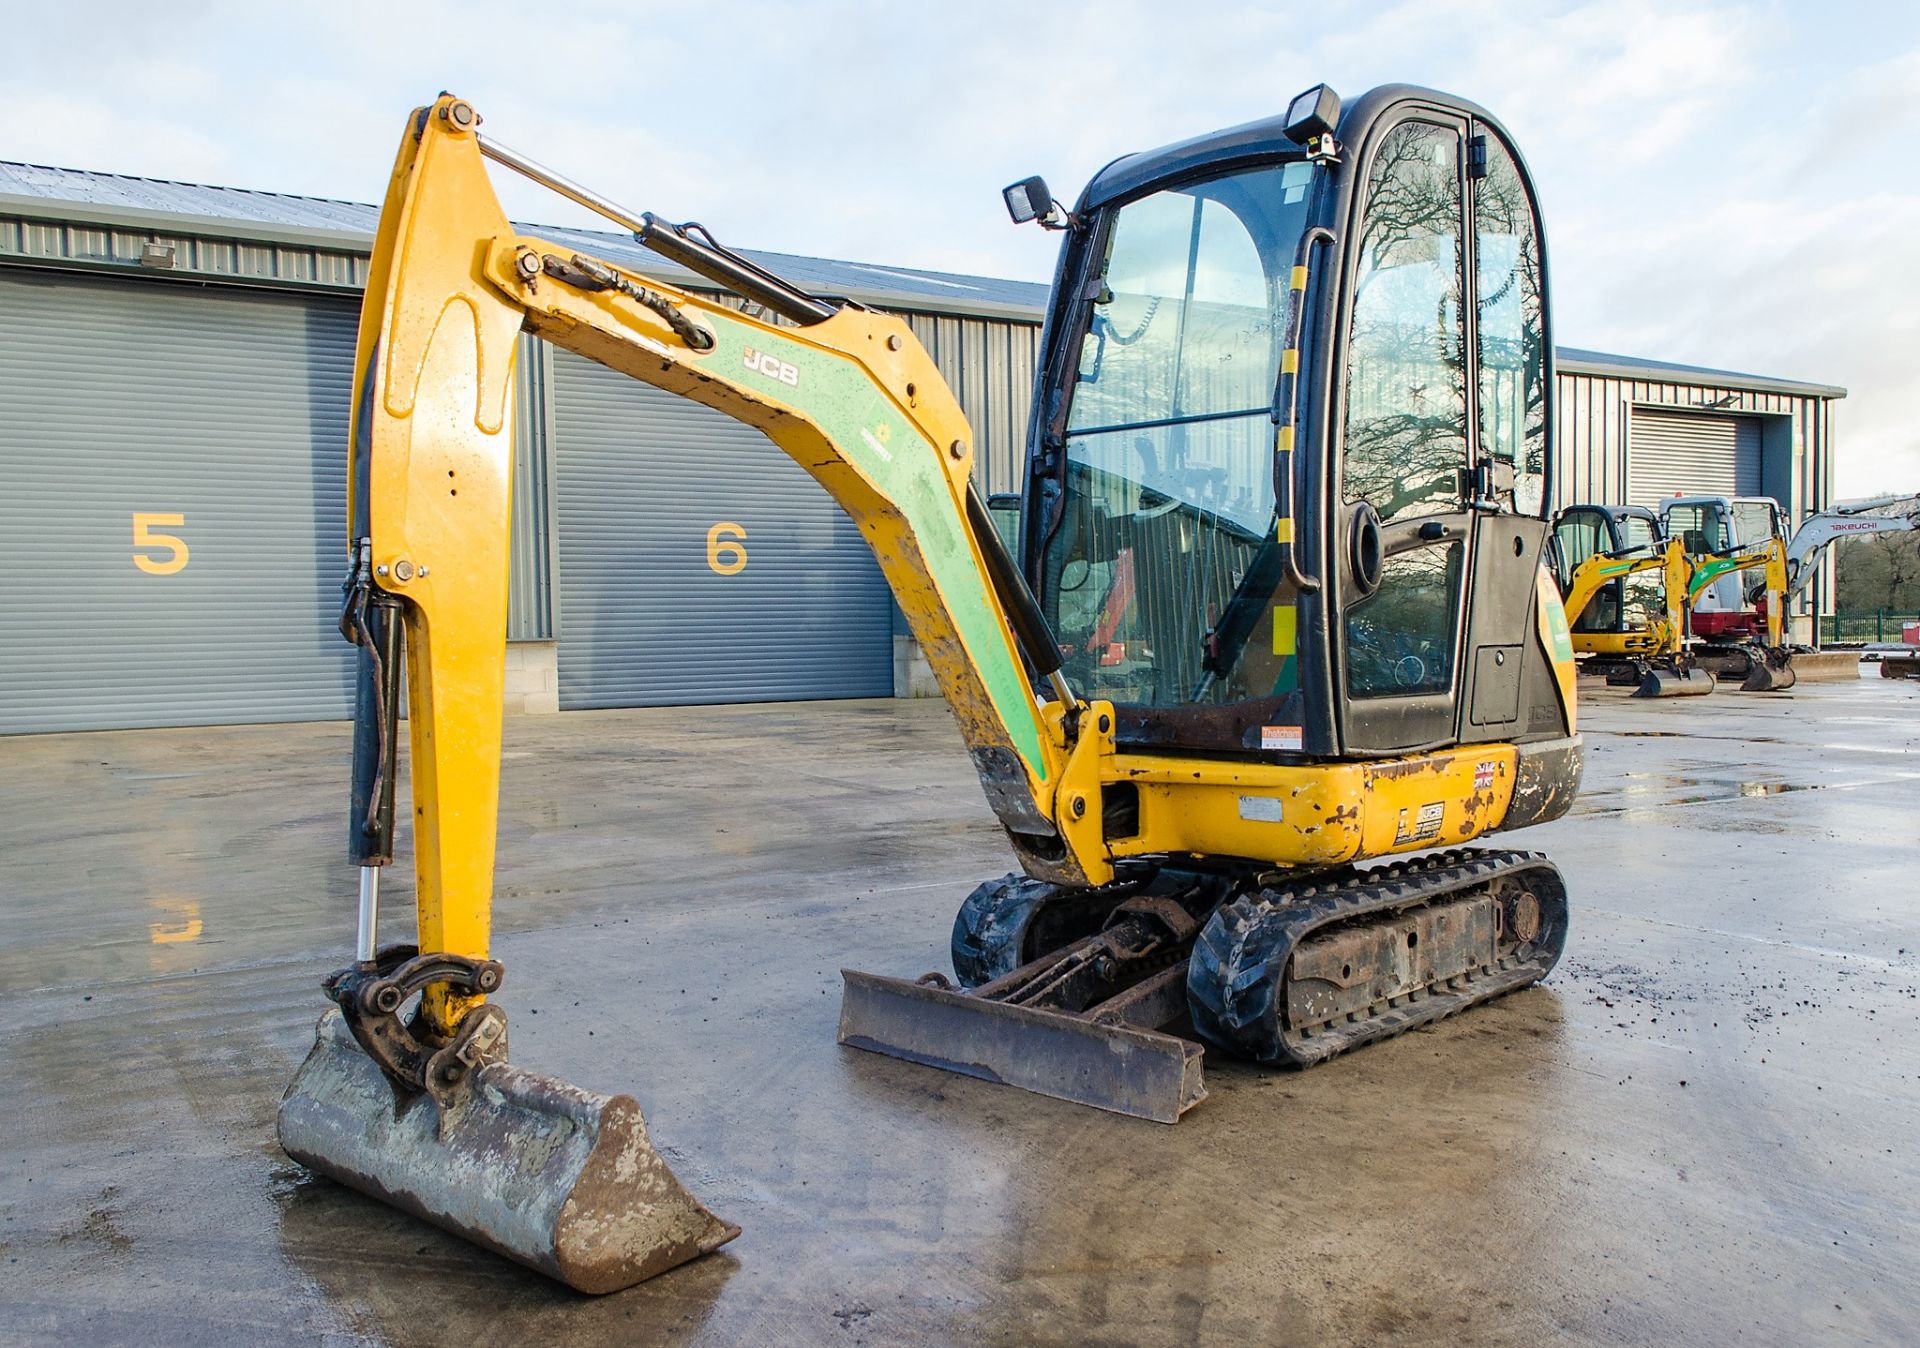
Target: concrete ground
[1702, 1129]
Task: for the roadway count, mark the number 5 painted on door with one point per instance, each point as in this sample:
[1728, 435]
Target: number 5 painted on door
[145, 537]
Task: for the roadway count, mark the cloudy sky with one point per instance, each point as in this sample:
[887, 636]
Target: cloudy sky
[1726, 184]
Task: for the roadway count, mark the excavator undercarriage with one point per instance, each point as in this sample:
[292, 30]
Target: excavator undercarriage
[1287, 974]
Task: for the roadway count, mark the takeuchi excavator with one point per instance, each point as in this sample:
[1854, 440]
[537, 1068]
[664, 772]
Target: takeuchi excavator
[1278, 609]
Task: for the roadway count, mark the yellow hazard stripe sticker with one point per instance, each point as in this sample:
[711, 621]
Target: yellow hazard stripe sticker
[1285, 637]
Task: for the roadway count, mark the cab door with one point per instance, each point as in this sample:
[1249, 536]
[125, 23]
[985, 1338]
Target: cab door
[1581, 532]
[1439, 528]
[1511, 391]
[1401, 534]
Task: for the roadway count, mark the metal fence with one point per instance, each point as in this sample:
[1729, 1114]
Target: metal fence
[1874, 625]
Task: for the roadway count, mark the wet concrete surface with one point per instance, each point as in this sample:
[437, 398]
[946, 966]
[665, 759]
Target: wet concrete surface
[1700, 1130]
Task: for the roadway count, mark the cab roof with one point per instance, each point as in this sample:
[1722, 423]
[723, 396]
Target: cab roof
[1253, 141]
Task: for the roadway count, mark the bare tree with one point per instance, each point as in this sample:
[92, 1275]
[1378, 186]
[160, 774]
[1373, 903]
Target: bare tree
[1880, 571]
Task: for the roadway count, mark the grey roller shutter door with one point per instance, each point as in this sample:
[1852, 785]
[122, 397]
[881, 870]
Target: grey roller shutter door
[224, 407]
[1692, 454]
[640, 479]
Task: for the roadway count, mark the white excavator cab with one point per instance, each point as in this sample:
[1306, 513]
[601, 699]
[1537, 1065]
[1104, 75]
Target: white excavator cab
[1725, 607]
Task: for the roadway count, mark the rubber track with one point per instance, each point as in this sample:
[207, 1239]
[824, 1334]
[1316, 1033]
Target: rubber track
[1236, 980]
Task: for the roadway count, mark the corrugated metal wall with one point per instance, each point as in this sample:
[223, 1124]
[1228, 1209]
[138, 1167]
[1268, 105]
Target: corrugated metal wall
[530, 575]
[216, 417]
[213, 259]
[1595, 413]
[990, 364]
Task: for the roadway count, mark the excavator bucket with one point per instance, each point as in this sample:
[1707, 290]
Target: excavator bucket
[1666, 681]
[561, 1179]
[1768, 671]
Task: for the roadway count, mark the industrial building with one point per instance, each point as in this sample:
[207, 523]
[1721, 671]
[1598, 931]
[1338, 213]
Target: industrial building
[175, 371]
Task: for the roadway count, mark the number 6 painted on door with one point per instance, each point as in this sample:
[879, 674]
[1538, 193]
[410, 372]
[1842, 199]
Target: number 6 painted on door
[145, 537]
[723, 542]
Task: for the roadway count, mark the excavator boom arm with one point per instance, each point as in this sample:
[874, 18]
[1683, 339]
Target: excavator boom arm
[1814, 536]
[853, 398]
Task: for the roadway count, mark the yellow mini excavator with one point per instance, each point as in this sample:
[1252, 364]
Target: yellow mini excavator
[1651, 652]
[1277, 609]
[1598, 550]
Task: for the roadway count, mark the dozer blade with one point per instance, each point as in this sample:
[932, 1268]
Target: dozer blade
[1111, 1066]
[561, 1179]
[1663, 682]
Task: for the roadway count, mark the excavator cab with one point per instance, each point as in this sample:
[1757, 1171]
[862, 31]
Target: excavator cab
[1713, 525]
[1583, 531]
[1288, 461]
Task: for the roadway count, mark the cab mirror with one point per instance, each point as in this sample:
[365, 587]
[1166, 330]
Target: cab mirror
[1029, 200]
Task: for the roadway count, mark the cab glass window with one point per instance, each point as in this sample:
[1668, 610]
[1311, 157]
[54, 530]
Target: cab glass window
[1512, 327]
[1578, 536]
[1406, 418]
[1159, 578]
[1400, 637]
[1755, 521]
[1700, 528]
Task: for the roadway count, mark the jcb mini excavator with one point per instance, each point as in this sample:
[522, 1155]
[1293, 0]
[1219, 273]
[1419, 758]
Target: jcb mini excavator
[1278, 609]
[1632, 642]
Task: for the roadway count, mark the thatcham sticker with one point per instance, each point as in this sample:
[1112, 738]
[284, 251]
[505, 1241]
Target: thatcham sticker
[1284, 738]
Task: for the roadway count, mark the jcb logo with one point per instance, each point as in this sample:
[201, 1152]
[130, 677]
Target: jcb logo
[760, 362]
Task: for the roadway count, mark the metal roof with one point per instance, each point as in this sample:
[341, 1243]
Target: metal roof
[41, 192]
[152, 203]
[1576, 361]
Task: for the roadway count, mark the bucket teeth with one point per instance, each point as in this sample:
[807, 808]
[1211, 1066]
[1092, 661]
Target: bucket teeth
[563, 1180]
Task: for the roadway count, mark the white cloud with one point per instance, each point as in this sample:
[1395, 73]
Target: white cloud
[1726, 183]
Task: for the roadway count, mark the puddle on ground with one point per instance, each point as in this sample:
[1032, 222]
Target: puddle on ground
[1682, 735]
[1644, 789]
